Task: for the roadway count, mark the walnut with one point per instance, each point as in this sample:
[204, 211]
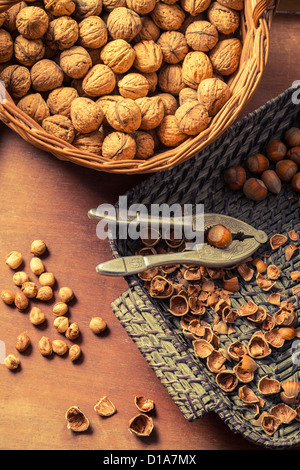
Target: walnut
[152, 80]
[169, 17]
[192, 118]
[124, 115]
[6, 46]
[86, 8]
[225, 56]
[91, 143]
[17, 80]
[148, 56]
[118, 55]
[224, 19]
[169, 133]
[28, 51]
[100, 80]
[194, 7]
[59, 126]
[187, 94]
[34, 106]
[11, 16]
[60, 7]
[174, 46]
[118, 146]
[59, 100]
[75, 62]
[123, 23]
[149, 30]
[105, 102]
[169, 102]
[2, 18]
[86, 115]
[170, 79]
[144, 145]
[189, 20]
[152, 110]
[133, 85]
[46, 75]
[62, 32]
[110, 5]
[213, 93]
[92, 32]
[202, 36]
[32, 22]
[195, 68]
[234, 4]
[142, 7]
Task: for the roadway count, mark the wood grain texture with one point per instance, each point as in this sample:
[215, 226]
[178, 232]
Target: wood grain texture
[42, 197]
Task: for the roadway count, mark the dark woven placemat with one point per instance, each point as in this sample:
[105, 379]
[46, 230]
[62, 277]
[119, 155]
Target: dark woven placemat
[158, 334]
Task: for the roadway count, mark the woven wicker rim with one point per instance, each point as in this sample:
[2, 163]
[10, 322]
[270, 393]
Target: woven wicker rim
[254, 31]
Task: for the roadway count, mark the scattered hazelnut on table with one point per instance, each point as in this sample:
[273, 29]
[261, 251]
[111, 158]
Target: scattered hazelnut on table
[60, 308]
[37, 266]
[29, 289]
[45, 346]
[36, 316]
[59, 346]
[97, 325]
[21, 301]
[73, 331]
[65, 294]
[61, 324]
[74, 352]
[38, 247]
[14, 259]
[47, 279]
[22, 342]
[20, 277]
[11, 362]
[7, 296]
[45, 293]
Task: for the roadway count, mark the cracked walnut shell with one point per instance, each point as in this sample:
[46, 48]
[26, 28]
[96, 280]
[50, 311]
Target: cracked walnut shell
[77, 421]
[192, 118]
[100, 80]
[59, 126]
[195, 68]
[124, 115]
[118, 55]
[86, 115]
[46, 75]
[123, 23]
[32, 22]
[119, 146]
[174, 46]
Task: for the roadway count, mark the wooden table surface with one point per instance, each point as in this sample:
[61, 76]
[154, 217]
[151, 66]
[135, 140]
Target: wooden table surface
[42, 197]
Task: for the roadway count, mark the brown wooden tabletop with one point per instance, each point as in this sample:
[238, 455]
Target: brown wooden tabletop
[44, 198]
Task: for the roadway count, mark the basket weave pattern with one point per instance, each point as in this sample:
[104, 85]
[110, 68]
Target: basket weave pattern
[255, 25]
[158, 334]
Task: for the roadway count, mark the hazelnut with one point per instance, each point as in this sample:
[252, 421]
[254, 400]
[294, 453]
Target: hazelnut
[36, 265]
[60, 126]
[47, 279]
[28, 51]
[45, 346]
[20, 277]
[6, 46]
[61, 324]
[294, 154]
[59, 346]
[16, 79]
[44, 293]
[296, 182]
[21, 301]
[73, 331]
[118, 146]
[86, 115]
[286, 169]
[22, 342]
[36, 316]
[14, 259]
[32, 22]
[11, 362]
[272, 181]
[97, 325]
[74, 352]
[235, 177]
[65, 294]
[92, 33]
[46, 75]
[257, 163]
[276, 150]
[38, 247]
[8, 297]
[35, 106]
[60, 308]
[201, 36]
[292, 137]
[118, 55]
[29, 289]
[75, 62]
[255, 189]
[123, 23]
[219, 236]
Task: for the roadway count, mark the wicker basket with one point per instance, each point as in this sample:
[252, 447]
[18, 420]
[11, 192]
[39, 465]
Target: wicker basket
[254, 32]
[158, 334]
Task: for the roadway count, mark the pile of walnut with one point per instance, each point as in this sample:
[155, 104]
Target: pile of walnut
[278, 164]
[43, 291]
[120, 78]
[200, 298]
